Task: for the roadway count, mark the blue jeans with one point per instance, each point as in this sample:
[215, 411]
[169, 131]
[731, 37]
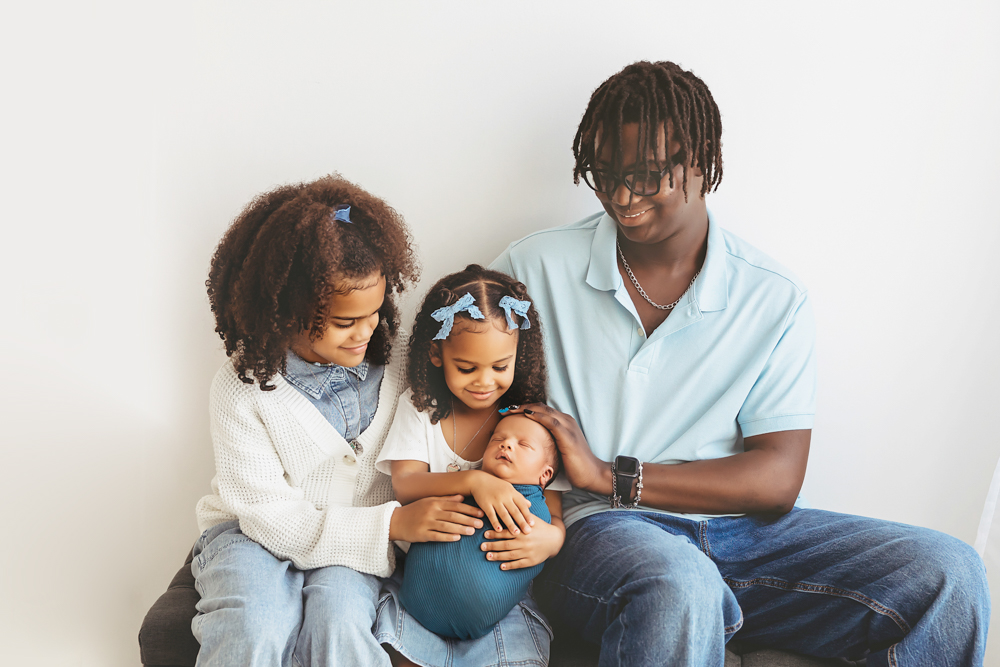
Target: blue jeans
[256, 609]
[520, 639]
[658, 589]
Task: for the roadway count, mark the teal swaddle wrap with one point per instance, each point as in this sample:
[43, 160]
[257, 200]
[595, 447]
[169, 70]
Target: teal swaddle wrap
[453, 591]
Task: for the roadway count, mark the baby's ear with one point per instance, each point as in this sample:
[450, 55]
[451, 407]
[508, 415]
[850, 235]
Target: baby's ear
[546, 475]
[435, 354]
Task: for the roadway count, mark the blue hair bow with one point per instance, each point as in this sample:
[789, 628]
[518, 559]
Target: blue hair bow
[446, 315]
[342, 212]
[509, 303]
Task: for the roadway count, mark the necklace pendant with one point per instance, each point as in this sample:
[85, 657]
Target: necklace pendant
[454, 467]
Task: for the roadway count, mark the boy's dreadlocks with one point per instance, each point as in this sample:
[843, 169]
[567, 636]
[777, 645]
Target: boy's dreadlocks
[653, 95]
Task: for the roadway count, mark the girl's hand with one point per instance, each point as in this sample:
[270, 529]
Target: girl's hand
[524, 550]
[503, 505]
[584, 470]
[434, 519]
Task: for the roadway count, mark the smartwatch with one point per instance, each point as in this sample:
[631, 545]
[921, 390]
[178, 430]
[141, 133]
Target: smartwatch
[626, 482]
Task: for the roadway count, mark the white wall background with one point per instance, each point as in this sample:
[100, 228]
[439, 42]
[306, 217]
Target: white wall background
[861, 150]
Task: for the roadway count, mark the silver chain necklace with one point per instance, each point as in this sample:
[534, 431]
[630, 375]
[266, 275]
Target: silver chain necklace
[642, 292]
[454, 465]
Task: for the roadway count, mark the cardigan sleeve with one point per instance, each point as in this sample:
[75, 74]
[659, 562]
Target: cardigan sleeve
[273, 512]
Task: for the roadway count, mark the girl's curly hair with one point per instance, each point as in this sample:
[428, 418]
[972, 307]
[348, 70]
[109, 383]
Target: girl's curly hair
[430, 393]
[276, 269]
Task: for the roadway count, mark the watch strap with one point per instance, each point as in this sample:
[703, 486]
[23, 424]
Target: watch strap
[624, 487]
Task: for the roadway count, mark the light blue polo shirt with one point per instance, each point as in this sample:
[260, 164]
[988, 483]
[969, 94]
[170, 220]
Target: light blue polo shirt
[735, 358]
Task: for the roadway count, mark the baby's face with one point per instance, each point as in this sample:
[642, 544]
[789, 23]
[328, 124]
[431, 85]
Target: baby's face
[518, 451]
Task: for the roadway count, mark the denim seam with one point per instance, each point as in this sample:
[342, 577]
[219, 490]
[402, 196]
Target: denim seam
[215, 552]
[531, 630]
[498, 637]
[619, 653]
[703, 539]
[823, 589]
[731, 629]
[707, 550]
[891, 655]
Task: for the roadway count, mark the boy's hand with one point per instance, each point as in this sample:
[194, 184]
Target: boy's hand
[503, 505]
[434, 519]
[524, 550]
[582, 467]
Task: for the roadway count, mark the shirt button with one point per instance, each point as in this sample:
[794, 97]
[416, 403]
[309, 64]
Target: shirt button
[350, 460]
[642, 332]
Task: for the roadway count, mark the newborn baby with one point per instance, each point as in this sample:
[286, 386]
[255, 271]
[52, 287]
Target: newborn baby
[450, 587]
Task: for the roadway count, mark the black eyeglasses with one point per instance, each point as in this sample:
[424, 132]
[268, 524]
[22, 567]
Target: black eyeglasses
[641, 182]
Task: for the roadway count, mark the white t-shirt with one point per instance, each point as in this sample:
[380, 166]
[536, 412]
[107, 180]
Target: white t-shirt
[412, 437]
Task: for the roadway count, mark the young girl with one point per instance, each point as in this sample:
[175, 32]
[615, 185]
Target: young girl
[476, 349]
[299, 525]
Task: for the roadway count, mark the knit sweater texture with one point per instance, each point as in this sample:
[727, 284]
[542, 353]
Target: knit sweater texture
[454, 591]
[295, 485]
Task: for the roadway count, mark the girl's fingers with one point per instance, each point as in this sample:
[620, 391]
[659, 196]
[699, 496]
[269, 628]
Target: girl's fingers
[443, 526]
[516, 565]
[458, 506]
[501, 545]
[508, 520]
[463, 519]
[437, 536]
[492, 516]
[525, 507]
[520, 516]
[514, 554]
[498, 535]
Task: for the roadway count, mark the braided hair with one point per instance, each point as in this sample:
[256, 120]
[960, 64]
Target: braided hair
[430, 392]
[280, 262]
[653, 95]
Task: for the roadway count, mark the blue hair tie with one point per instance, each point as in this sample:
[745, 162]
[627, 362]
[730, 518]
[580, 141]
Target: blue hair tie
[446, 315]
[509, 303]
[342, 212]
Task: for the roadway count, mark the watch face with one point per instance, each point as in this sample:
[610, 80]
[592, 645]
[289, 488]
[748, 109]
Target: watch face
[626, 465]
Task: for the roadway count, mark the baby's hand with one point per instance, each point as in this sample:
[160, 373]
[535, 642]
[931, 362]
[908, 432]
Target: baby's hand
[503, 505]
[523, 550]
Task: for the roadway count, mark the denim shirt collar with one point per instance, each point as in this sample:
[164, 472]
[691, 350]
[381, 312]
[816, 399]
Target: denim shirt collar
[711, 289]
[313, 378]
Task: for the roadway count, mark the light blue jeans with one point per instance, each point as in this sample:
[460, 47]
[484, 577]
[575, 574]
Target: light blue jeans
[655, 589]
[258, 610]
[520, 639]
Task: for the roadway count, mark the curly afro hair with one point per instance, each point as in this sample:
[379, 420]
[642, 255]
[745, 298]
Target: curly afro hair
[275, 270]
[430, 393]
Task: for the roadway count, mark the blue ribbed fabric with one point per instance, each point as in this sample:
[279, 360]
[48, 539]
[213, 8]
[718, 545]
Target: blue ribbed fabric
[454, 591]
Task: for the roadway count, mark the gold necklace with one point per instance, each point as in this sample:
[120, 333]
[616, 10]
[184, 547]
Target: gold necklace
[454, 466]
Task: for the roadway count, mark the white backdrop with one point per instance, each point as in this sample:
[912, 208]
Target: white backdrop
[861, 149]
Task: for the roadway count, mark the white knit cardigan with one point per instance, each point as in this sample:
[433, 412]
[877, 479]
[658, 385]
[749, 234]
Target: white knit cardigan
[293, 482]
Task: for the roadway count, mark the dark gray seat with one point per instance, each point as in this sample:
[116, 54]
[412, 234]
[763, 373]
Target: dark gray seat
[165, 638]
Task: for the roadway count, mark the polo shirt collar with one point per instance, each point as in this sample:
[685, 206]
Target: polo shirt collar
[314, 378]
[603, 272]
[711, 289]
